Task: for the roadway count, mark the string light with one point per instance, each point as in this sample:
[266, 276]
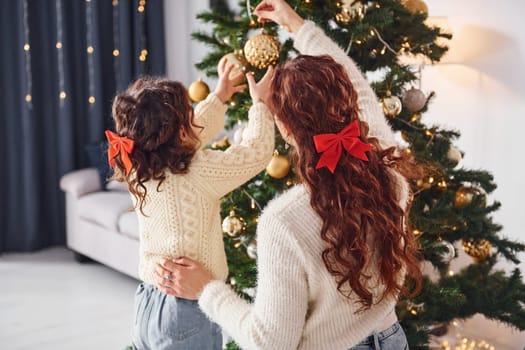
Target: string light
[90, 49]
[60, 53]
[143, 55]
[116, 42]
[27, 59]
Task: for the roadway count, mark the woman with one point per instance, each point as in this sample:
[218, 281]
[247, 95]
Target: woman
[333, 252]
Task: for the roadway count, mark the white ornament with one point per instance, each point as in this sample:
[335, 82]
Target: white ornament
[251, 249]
[454, 154]
[237, 135]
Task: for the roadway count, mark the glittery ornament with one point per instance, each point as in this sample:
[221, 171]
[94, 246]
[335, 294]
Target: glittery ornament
[233, 225]
[262, 50]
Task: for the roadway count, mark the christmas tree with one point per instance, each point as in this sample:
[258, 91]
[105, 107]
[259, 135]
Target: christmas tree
[449, 209]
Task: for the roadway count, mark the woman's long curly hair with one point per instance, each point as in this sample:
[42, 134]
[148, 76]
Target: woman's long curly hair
[358, 204]
[157, 115]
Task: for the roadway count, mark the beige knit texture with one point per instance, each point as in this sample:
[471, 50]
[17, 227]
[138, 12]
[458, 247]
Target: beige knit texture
[182, 218]
[297, 305]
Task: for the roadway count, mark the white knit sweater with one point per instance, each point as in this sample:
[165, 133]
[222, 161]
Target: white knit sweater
[297, 305]
[183, 218]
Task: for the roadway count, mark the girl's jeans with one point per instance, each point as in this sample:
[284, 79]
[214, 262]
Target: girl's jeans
[165, 322]
[392, 338]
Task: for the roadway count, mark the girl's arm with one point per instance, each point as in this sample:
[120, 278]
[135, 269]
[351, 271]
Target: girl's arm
[209, 114]
[223, 171]
[311, 40]
[276, 318]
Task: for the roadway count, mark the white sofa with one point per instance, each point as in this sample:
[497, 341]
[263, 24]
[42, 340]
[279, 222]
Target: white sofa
[100, 224]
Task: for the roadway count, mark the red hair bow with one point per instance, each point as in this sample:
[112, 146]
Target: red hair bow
[119, 145]
[330, 146]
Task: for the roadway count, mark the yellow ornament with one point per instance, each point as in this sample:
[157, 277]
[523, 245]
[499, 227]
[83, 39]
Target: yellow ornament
[391, 105]
[221, 143]
[349, 11]
[233, 225]
[198, 90]
[262, 50]
[239, 66]
[279, 166]
[415, 6]
[479, 250]
[465, 195]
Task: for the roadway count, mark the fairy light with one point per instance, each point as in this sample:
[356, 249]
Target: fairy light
[90, 19]
[60, 53]
[27, 60]
[143, 54]
[116, 42]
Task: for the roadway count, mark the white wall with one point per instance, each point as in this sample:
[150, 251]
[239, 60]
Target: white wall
[483, 97]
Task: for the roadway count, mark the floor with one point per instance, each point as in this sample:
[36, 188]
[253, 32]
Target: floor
[48, 301]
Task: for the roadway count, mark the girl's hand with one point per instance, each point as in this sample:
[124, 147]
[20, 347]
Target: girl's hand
[260, 92]
[184, 278]
[226, 86]
[280, 12]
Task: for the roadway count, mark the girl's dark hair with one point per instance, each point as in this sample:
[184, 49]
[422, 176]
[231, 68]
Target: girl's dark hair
[157, 115]
[358, 204]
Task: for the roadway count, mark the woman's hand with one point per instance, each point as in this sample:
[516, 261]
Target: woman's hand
[184, 278]
[226, 86]
[279, 12]
[260, 92]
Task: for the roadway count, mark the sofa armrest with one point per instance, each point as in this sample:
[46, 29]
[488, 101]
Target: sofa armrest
[81, 182]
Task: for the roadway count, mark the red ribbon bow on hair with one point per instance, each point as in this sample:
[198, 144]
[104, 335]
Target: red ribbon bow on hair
[119, 144]
[330, 146]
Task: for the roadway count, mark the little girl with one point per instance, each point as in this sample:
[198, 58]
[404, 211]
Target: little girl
[176, 188]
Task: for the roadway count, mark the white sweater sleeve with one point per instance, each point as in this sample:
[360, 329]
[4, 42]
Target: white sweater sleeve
[311, 40]
[209, 114]
[223, 171]
[276, 319]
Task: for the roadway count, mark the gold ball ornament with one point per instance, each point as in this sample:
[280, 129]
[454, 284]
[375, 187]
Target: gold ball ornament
[221, 143]
[392, 105]
[198, 90]
[262, 50]
[479, 250]
[239, 65]
[415, 6]
[414, 100]
[279, 166]
[465, 195]
[233, 225]
[349, 10]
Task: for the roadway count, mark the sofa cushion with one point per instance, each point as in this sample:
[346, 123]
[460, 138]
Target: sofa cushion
[104, 208]
[128, 224]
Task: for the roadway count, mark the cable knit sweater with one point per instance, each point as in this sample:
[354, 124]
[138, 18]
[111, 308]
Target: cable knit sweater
[297, 305]
[183, 216]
